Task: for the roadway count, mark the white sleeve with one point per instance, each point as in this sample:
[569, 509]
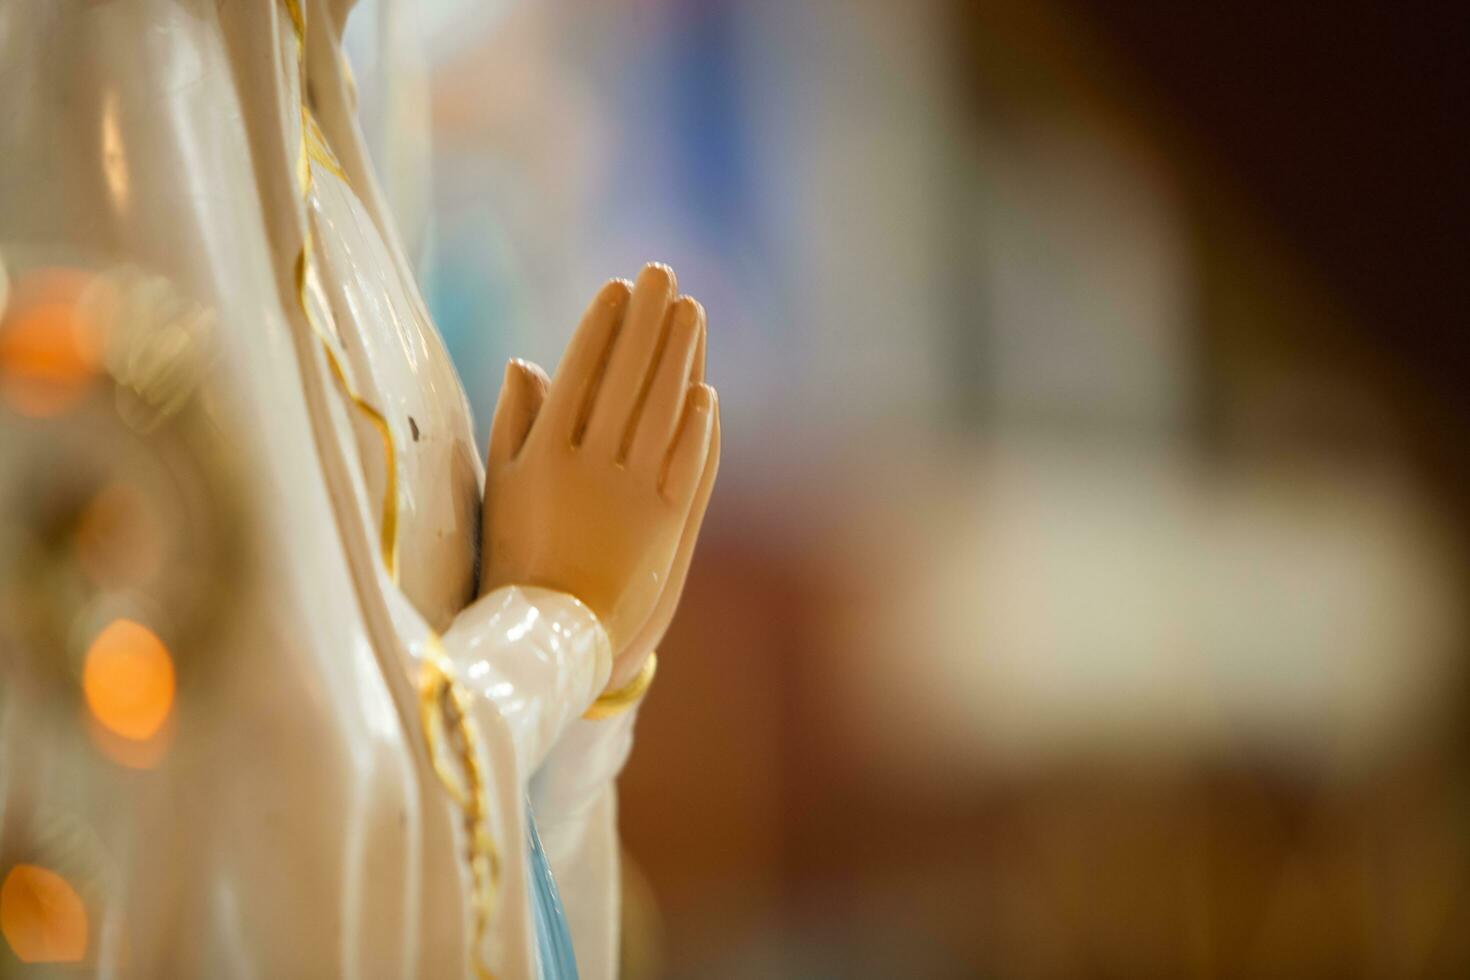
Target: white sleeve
[537, 659]
[537, 656]
[534, 660]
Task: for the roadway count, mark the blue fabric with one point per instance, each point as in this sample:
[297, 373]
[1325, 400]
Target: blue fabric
[553, 938]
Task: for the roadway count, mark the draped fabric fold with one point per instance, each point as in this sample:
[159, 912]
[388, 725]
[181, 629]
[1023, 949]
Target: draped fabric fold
[297, 820]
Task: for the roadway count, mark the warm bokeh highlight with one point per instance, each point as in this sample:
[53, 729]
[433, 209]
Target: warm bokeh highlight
[128, 680]
[49, 352]
[42, 917]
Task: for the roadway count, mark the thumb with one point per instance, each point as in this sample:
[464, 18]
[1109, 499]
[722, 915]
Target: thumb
[521, 395]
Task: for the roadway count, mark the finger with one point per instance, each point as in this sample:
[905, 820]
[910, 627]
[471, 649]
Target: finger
[654, 424]
[663, 613]
[652, 632]
[691, 445]
[578, 374]
[521, 395]
[696, 373]
[690, 535]
[634, 352]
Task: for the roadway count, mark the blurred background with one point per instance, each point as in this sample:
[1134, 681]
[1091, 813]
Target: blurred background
[1082, 595]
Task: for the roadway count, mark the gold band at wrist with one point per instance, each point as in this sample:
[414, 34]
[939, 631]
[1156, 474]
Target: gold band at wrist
[616, 702]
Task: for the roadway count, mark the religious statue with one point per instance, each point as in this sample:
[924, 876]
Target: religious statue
[293, 681]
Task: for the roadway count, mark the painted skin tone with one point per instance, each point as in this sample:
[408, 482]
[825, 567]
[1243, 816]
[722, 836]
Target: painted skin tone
[597, 479]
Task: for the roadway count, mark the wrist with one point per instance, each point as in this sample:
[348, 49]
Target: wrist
[623, 694]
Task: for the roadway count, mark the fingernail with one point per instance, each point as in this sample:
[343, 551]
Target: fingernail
[615, 291]
[520, 372]
[686, 312]
[661, 271]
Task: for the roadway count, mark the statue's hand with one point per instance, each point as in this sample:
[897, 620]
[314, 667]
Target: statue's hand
[597, 480]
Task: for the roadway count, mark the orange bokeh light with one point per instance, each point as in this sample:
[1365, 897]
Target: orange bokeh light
[42, 917]
[49, 352]
[128, 680]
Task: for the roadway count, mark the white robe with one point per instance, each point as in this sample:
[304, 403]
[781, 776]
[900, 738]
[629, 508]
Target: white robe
[300, 824]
